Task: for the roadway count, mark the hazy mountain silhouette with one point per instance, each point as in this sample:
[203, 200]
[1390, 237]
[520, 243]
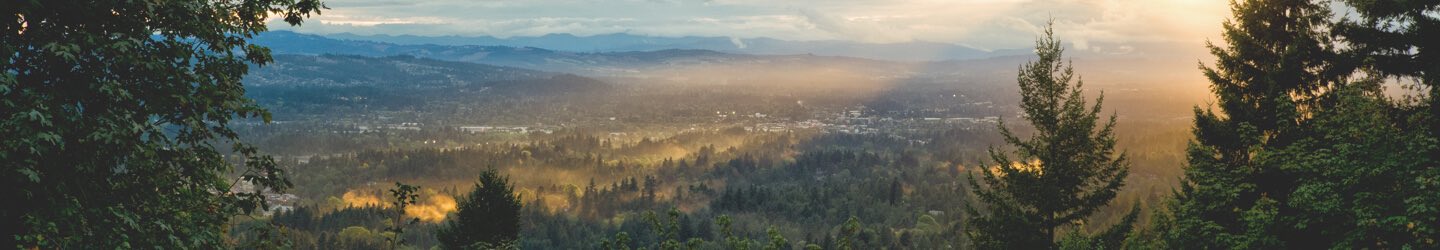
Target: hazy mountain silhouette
[627, 63]
[908, 51]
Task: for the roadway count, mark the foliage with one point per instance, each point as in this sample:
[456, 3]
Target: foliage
[489, 216]
[405, 195]
[116, 120]
[1394, 38]
[848, 232]
[1064, 173]
[267, 236]
[777, 241]
[309, 227]
[1112, 238]
[1305, 152]
[772, 239]
[803, 196]
[359, 235]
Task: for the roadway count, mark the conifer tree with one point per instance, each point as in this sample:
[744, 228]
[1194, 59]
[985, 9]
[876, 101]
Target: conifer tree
[1301, 155]
[1398, 39]
[1273, 59]
[1059, 176]
[489, 217]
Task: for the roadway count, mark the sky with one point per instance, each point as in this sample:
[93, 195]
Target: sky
[1104, 26]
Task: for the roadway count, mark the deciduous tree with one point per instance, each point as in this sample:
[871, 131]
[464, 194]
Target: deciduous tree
[115, 120]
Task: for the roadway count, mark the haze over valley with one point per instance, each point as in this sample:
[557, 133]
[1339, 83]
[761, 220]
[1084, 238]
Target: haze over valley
[720, 124]
[434, 111]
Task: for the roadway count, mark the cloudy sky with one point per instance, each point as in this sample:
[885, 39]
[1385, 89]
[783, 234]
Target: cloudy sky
[1095, 25]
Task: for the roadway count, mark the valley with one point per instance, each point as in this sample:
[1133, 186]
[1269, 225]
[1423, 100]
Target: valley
[594, 142]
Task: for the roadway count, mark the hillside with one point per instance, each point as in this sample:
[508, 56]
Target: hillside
[344, 85]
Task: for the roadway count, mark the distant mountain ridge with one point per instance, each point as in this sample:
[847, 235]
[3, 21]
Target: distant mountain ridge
[308, 85]
[620, 42]
[627, 64]
[290, 70]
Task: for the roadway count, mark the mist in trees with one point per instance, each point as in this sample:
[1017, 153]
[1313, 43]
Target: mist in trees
[121, 123]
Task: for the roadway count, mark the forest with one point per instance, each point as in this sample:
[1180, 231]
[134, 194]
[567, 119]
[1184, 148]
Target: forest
[172, 124]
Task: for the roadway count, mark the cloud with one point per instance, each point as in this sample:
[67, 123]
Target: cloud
[739, 44]
[857, 29]
[364, 21]
[1090, 25]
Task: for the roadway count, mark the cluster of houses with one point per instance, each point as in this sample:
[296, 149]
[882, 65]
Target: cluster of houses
[733, 114]
[506, 129]
[854, 121]
[278, 202]
[785, 126]
[415, 126]
[404, 126]
[813, 124]
[987, 119]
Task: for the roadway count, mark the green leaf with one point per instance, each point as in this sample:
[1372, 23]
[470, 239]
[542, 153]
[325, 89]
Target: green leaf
[30, 174]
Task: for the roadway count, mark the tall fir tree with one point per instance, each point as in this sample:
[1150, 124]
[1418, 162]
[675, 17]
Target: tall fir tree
[1274, 58]
[489, 217]
[1398, 39]
[1059, 176]
[1300, 155]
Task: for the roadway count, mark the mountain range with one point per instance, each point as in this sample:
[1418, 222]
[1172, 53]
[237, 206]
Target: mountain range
[620, 42]
[644, 64]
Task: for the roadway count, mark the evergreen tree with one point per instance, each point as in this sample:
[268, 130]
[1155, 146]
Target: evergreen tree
[1061, 175]
[895, 192]
[1276, 52]
[1301, 155]
[1397, 39]
[488, 217]
[115, 120]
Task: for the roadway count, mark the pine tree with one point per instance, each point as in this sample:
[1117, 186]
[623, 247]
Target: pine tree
[1061, 175]
[489, 216]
